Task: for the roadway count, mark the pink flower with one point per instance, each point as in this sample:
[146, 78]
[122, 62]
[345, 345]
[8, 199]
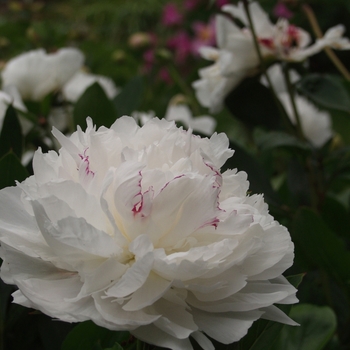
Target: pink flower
[220, 3]
[164, 76]
[281, 10]
[171, 15]
[190, 5]
[148, 59]
[181, 44]
[204, 35]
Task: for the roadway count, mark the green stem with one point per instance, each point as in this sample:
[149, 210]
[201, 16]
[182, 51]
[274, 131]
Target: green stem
[184, 88]
[282, 111]
[140, 345]
[292, 100]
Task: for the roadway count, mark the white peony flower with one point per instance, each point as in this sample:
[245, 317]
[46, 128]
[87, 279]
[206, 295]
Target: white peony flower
[137, 229]
[236, 56]
[76, 86]
[282, 40]
[316, 124]
[36, 73]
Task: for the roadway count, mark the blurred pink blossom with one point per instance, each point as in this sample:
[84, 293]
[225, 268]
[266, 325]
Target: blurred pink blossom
[281, 10]
[204, 35]
[164, 76]
[181, 45]
[171, 15]
[190, 5]
[220, 3]
[148, 60]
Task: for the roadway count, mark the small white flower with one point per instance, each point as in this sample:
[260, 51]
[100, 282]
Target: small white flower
[136, 228]
[181, 113]
[316, 124]
[76, 86]
[36, 73]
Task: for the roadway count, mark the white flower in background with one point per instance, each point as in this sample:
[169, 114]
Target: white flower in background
[143, 117]
[236, 56]
[181, 113]
[136, 228]
[316, 124]
[178, 111]
[12, 97]
[76, 86]
[36, 73]
[282, 40]
[212, 87]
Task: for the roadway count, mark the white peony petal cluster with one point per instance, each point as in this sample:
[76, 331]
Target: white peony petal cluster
[36, 73]
[236, 58]
[137, 229]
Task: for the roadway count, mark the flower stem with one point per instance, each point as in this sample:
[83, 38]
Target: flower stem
[184, 87]
[317, 31]
[292, 100]
[282, 111]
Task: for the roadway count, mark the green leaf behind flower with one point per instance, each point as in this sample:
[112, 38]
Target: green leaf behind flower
[325, 90]
[89, 336]
[130, 98]
[11, 134]
[11, 170]
[317, 326]
[320, 246]
[94, 103]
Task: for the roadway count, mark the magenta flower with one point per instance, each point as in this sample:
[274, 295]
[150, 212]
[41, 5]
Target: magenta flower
[171, 15]
[181, 45]
[204, 35]
[190, 5]
[220, 3]
[281, 10]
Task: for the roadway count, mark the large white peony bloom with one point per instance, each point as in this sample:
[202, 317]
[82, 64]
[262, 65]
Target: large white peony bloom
[136, 229]
[36, 73]
[236, 58]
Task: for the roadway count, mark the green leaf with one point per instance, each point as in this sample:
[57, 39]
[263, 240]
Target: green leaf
[261, 336]
[88, 336]
[317, 325]
[11, 134]
[320, 246]
[295, 280]
[130, 98]
[325, 90]
[115, 347]
[275, 139]
[11, 170]
[253, 104]
[341, 124]
[95, 104]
